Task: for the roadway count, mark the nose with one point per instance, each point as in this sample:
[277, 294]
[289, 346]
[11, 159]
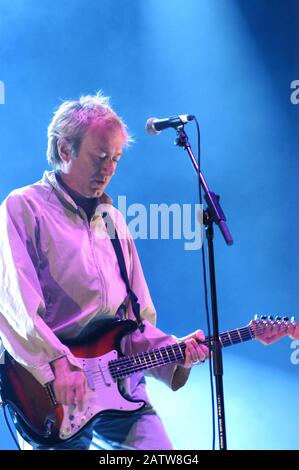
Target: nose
[108, 167]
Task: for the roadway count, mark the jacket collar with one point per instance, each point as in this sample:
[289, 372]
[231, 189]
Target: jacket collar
[49, 178]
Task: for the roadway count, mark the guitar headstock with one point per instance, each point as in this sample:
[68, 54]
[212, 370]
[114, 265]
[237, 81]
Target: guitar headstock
[269, 329]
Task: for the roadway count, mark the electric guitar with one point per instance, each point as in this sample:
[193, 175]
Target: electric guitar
[41, 419]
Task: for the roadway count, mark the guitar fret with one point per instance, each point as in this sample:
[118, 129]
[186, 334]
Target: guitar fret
[172, 357]
[241, 339]
[225, 339]
[159, 351]
[234, 336]
[153, 357]
[229, 336]
[251, 333]
[180, 351]
[165, 349]
[177, 352]
[137, 357]
[161, 358]
[144, 358]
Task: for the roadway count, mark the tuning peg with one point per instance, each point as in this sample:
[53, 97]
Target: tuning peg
[277, 318]
[263, 317]
[285, 318]
[292, 319]
[270, 317]
[256, 317]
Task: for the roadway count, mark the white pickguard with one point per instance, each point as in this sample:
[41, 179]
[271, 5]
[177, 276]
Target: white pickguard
[102, 394]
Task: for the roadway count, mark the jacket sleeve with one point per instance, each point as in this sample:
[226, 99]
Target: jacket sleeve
[23, 332]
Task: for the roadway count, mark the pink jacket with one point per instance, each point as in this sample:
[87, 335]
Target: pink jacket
[58, 273]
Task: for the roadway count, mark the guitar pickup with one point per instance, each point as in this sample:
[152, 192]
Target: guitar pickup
[89, 379]
[104, 369]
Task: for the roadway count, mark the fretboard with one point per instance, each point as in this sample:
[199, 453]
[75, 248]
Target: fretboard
[174, 353]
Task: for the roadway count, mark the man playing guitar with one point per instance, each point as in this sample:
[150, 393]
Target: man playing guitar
[63, 281]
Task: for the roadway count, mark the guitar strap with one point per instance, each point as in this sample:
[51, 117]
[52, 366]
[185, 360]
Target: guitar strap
[113, 235]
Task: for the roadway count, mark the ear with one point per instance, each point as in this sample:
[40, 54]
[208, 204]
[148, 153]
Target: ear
[64, 150]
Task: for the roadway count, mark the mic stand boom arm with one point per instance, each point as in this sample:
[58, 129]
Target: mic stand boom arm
[213, 214]
[211, 198]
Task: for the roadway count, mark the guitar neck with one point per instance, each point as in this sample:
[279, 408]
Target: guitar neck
[171, 354]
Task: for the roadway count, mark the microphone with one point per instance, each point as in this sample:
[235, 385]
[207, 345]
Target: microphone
[154, 126]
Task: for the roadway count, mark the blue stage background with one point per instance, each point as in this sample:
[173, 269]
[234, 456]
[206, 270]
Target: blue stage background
[231, 63]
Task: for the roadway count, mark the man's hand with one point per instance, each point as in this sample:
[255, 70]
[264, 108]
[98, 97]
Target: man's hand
[195, 352]
[69, 384]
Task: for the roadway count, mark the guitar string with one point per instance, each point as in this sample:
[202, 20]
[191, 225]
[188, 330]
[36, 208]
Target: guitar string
[123, 367]
[151, 356]
[126, 366]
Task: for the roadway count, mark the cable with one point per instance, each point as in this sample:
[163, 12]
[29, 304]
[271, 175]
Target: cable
[204, 269]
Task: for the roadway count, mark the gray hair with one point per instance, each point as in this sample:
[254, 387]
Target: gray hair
[72, 119]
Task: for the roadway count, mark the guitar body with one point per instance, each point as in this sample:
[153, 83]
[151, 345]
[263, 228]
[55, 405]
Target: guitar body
[39, 418]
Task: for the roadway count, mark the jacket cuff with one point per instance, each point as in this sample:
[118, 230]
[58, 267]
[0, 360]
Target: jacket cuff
[180, 377]
[44, 373]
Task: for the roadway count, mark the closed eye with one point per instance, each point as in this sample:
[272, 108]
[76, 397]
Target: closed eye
[103, 156]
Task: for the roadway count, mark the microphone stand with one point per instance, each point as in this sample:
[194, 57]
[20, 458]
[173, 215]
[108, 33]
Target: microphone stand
[212, 214]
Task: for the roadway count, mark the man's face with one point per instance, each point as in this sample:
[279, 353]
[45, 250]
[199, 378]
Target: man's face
[100, 150]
